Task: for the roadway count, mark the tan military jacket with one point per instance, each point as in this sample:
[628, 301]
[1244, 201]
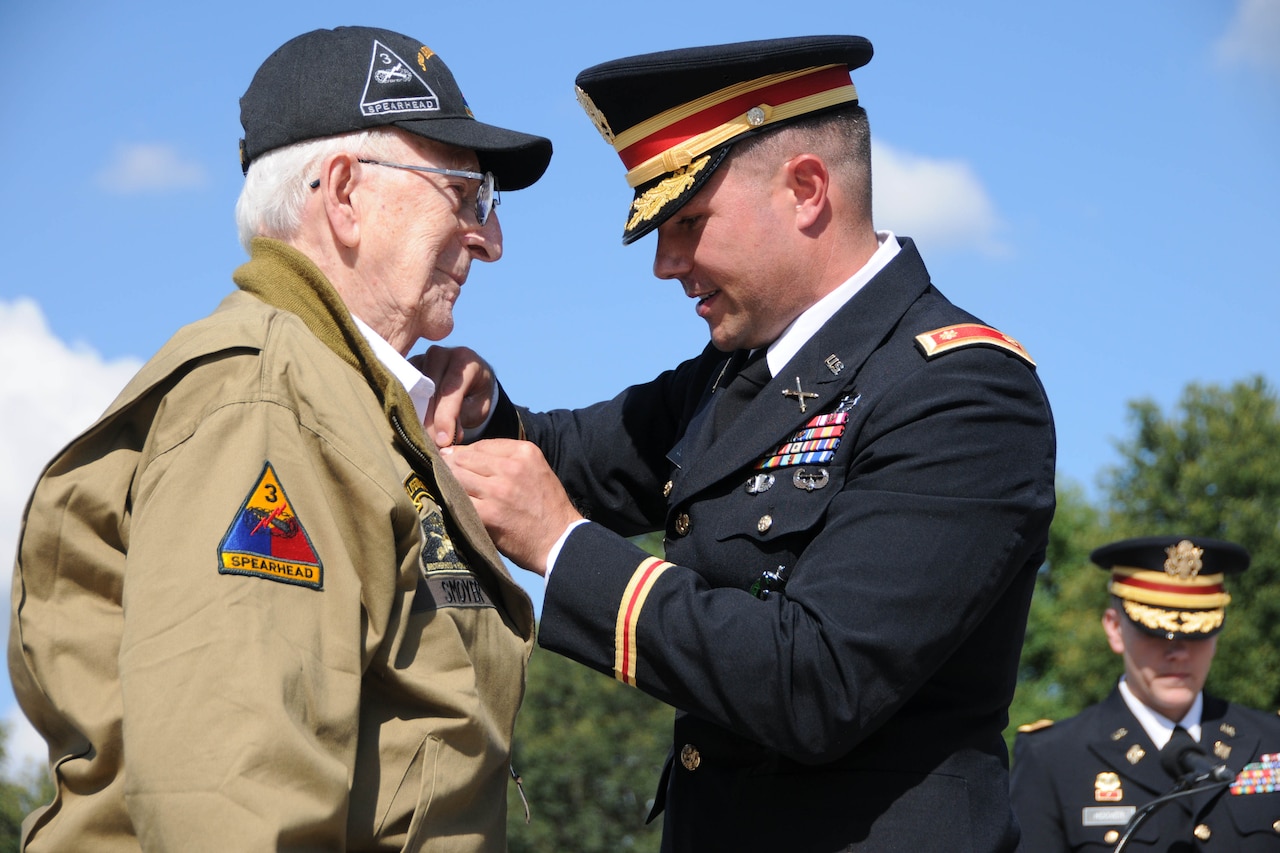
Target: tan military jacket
[252, 611]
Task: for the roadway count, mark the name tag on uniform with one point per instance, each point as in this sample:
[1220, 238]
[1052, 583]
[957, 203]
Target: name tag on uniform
[449, 589]
[1107, 815]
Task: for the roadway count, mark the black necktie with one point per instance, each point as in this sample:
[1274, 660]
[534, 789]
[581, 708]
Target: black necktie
[1179, 743]
[732, 398]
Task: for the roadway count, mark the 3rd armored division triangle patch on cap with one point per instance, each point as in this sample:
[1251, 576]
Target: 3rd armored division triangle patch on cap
[349, 79]
[394, 87]
[266, 538]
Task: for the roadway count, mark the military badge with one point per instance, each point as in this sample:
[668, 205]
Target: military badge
[1107, 789]
[948, 338]
[1258, 777]
[266, 538]
[814, 444]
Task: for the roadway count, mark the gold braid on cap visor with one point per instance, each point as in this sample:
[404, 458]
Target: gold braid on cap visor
[1159, 602]
[1175, 621]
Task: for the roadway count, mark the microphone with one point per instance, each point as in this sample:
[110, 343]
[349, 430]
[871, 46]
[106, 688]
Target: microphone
[1190, 760]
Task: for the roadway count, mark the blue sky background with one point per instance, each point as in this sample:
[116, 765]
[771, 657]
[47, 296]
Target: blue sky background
[1096, 179]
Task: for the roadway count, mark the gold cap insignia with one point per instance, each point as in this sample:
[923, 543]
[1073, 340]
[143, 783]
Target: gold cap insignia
[593, 113]
[1183, 560]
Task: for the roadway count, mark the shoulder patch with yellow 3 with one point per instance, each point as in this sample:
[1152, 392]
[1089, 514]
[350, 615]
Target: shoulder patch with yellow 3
[949, 338]
[266, 538]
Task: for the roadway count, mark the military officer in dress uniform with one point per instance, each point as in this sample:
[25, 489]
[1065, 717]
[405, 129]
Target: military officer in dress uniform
[849, 555]
[1077, 784]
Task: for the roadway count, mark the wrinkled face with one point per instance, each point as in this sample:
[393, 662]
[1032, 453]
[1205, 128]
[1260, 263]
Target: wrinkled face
[419, 236]
[732, 248]
[1165, 675]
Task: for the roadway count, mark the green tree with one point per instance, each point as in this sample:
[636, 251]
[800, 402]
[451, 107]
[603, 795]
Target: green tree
[1212, 468]
[19, 797]
[1066, 664]
[589, 751]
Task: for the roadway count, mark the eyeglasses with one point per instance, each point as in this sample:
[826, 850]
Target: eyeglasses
[486, 197]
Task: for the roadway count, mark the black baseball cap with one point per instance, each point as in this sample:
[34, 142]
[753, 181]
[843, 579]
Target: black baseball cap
[328, 82]
[673, 116]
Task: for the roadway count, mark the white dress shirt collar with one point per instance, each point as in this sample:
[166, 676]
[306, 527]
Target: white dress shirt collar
[1158, 727]
[808, 323]
[421, 389]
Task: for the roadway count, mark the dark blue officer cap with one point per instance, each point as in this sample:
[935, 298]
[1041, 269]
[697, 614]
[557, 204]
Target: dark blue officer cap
[672, 116]
[1172, 586]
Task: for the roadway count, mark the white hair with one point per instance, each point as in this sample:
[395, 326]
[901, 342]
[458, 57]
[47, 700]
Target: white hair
[278, 182]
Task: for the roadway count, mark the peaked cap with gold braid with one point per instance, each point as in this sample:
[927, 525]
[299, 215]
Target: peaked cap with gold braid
[1172, 586]
[672, 116]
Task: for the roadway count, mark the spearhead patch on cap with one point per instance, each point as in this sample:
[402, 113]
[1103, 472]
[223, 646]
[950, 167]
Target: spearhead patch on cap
[266, 538]
[329, 82]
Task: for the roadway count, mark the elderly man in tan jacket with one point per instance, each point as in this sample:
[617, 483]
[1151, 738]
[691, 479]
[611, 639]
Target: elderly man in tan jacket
[251, 610]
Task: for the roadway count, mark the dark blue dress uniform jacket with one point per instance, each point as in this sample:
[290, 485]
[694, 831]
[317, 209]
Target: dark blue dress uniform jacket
[862, 707]
[1055, 784]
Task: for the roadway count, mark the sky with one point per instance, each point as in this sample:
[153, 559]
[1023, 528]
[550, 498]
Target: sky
[1098, 180]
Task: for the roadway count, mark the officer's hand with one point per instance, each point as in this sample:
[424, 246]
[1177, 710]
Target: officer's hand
[465, 391]
[517, 495]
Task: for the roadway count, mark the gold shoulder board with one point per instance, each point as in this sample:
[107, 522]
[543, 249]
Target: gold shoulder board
[1035, 727]
[943, 340]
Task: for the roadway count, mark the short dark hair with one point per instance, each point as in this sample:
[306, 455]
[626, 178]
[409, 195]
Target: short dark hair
[841, 136]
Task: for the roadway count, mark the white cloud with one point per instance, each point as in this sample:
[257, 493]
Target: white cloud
[150, 168]
[942, 203]
[1252, 38]
[49, 391]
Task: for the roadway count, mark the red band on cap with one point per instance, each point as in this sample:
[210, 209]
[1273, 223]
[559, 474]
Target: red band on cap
[825, 79]
[1179, 589]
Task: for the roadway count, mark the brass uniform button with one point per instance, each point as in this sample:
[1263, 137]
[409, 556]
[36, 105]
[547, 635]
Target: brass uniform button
[1111, 837]
[1276, 827]
[765, 522]
[682, 524]
[666, 490]
[1202, 832]
[690, 757]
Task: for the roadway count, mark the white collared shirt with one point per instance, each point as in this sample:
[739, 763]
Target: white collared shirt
[421, 389]
[808, 323]
[1158, 727]
[796, 335]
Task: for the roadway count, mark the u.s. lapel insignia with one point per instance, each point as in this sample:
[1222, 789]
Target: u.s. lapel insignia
[1107, 788]
[1227, 729]
[1119, 733]
[266, 538]
[834, 364]
[1135, 754]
